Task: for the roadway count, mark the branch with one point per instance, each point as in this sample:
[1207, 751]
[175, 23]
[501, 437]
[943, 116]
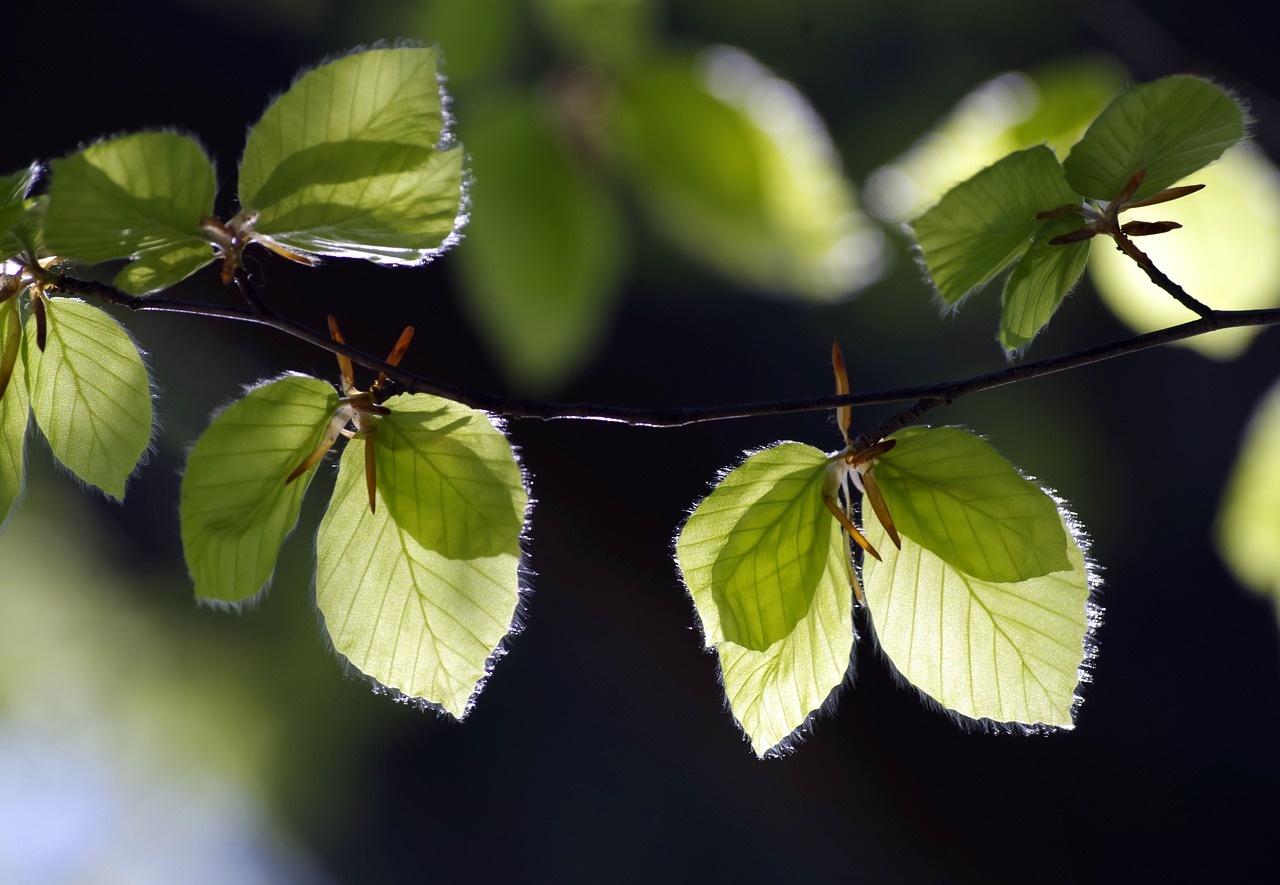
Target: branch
[925, 397]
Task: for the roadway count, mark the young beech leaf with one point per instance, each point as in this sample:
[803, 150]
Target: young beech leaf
[1167, 128]
[448, 477]
[1039, 282]
[408, 617]
[768, 569]
[235, 506]
[955, 496]
[985, 223]
[1011, 652]
[13, 407]
[1248, 527]
[90, 393]
[13, 192]
[353, 161]
[138, 196]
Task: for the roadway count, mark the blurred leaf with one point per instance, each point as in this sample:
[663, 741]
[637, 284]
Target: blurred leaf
[139, 196]
[1168, 128]
[958, 498]
[1225, 254]
[90, 393]
[449, 478]
[982, 225]
[13, 408]
[609, 32]
[768, 570]
[408, 617]
[483, 37]
[1008, 652]
[1039, 282]
[733, 164]
[758, 545]
[1248, 525]
[545, 251]
[13, 192]
[352, 162]
[235, 507]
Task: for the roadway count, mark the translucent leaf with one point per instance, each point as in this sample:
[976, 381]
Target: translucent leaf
[1008, 652]
[1039, 282]
[90, 393]
[449, 477]
[352, 161]
[1248, 526]
[1225, 254]
[411, 619]
[138, 196]
[13, 191]
[764, 560]
[733, 165]
[1168, 128]
[235, 507]
[985, 223]
[958, 498]
[13, 409]
[544, 261]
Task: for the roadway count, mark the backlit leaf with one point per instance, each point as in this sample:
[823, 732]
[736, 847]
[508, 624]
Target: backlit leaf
[235, 507]
[1248, 527]
[1007, 652]
[1168, 128]
[13, 191]
[90, 393]
[411, 619]
[985, 223]
[1039, 282]
[954, 495]
[13, 409]
[354, 161]
[139, 196]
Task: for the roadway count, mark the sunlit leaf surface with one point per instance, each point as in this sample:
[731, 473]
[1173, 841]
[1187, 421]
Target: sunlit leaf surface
[90, 393]
[1039, 282]
[235, 507]
[13, 190]
[351, 162]
[13, 409]
[1248, 528]
[408, 617]
[139, 196]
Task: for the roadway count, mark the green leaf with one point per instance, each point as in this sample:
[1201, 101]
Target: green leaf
[733, 166]
[13, 408]
[90, 393]
[543, 263]
[985, 223]
[768, 570]
[958, 498]
[449, 478]
[409, 618]
[13, 192]
[354, 161]
[1039, 282]
[139, 196]
[1010, 652]
[1168, 128]
[1248, 525]
[235, 507]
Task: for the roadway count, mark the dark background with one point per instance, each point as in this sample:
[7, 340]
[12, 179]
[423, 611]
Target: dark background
[601, 749]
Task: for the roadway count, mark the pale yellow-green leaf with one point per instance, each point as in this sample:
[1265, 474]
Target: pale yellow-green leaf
[13, 410]
[403, 615]
[1248, 528]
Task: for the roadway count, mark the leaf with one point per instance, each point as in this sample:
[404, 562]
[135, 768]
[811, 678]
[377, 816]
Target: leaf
[1010, 652]
[449, 478]
[235, 506]
[139, 196]
[766, 563]
[1039, 282]
[13, 409]
[1168, 128]
[13, 191]
[732, 164]
[543, 263]
[354, 161]
[954, 495]
[1248, 525]
[90, 393]
[415, 621]
[985, 223]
